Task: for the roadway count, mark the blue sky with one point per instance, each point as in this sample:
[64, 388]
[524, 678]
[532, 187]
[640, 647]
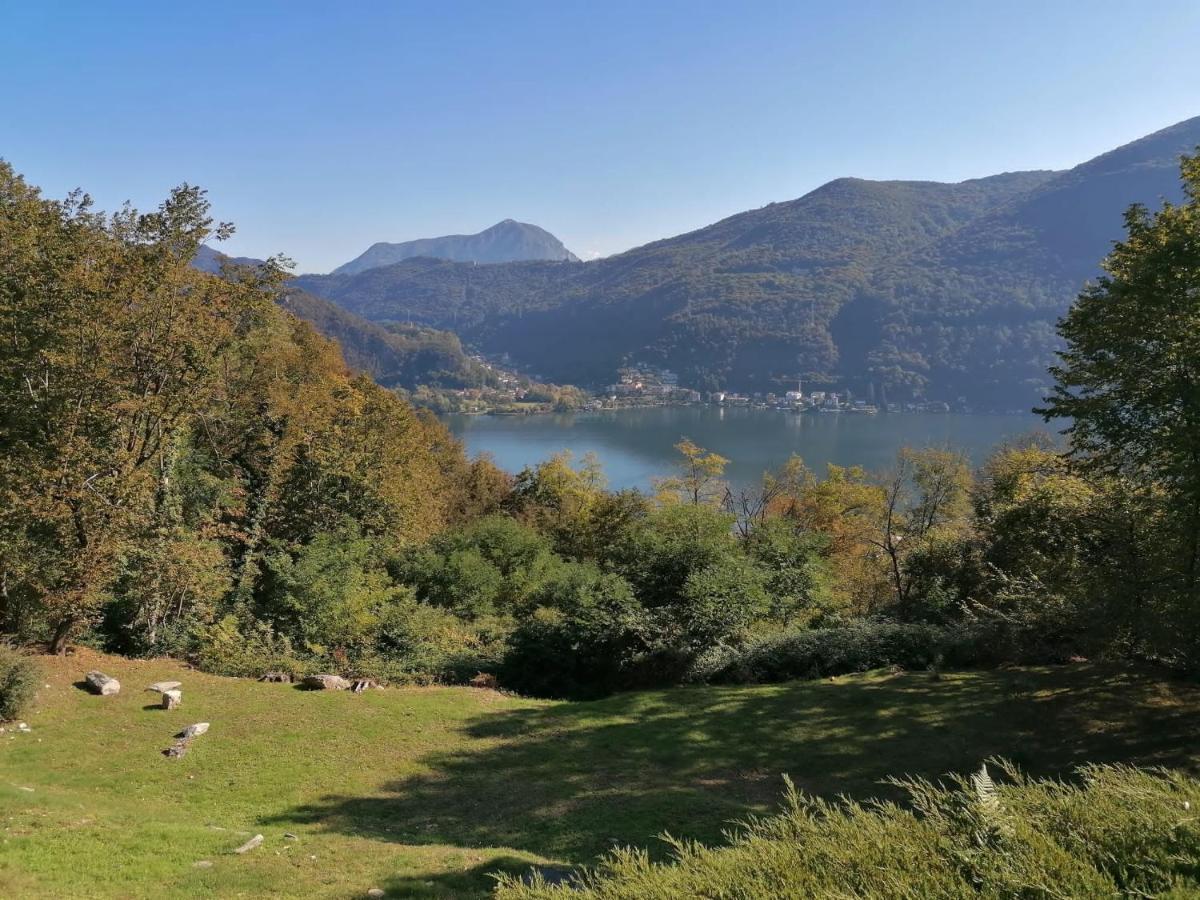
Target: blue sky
[321, 127]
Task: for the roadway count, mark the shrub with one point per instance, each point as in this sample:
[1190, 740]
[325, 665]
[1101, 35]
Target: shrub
[1120, 832]
[821, 652]
[231, 646]
[581, 639]
[19, 676]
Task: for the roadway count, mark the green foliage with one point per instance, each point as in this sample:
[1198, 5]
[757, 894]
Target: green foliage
[20, 677]
[163, 430]
[243, 647]
[1129, 384]
[1119, 831]
[856, 647]
[587, 632]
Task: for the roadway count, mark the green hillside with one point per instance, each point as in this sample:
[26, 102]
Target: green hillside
[424, 791]
[917, 287]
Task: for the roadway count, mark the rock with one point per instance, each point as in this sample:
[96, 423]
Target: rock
[161, 687]
[194, 730]
[250, 844]
[363, 684]
[99, 683]
[172, 699]
[21, 726]
[277, 677]
[289, 836]
[325, 682]
[176, 750]
[376, 892]
[203, 864]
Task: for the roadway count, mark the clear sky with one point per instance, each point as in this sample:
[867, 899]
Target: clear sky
[321, 127]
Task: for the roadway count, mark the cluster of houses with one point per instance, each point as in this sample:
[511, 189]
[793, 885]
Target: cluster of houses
[651, 386]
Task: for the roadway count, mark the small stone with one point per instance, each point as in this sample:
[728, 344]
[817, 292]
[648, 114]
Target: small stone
[202, 864]
[326, 682]
[363, 684]
[277, 677]
[99, 683]
[250, 844]
[21, 726]
[376, 892]
[194, 730]
[161, 687]
[289, 836]
[176, 750]
[172, 699]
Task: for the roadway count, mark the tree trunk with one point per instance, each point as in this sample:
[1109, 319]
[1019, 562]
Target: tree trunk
[62, 631]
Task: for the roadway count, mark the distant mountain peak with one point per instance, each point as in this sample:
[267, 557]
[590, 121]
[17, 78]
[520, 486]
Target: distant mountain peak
[506, 241]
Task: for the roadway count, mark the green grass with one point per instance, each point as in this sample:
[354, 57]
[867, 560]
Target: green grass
[424, 791]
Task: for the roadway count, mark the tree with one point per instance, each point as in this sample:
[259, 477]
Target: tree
[1129, 379]
[699, 479]
[926, 497]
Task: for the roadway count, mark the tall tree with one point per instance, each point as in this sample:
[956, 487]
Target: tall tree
[1129, 378]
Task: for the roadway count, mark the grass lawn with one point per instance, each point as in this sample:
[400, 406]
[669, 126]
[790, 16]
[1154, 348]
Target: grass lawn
[424, 791]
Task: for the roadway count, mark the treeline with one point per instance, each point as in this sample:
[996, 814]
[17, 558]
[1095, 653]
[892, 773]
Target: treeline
[170, 439]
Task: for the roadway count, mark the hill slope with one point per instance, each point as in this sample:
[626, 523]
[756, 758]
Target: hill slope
[506, 241]
[395, 355]
[424, 791]
[941, 289]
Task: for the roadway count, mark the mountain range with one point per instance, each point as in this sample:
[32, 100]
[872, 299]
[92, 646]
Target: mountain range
[909, 288]
[506, 241]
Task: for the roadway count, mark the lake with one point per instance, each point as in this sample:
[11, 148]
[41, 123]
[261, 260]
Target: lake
[637, 445]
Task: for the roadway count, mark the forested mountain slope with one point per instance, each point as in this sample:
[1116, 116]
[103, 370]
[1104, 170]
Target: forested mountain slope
[944, 290]
[395, 355]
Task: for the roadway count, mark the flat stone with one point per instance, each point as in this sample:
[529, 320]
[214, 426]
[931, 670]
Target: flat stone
[195, 730]
[202, 864]
[99, 683]
[376, 892]
[161, 687]
[326, 682]
[172, 699]
[250, 844]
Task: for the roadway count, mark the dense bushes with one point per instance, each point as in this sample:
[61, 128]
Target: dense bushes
[1119, 832]
[19, 677]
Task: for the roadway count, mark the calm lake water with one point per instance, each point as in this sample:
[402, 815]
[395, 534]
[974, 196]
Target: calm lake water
[637, 445]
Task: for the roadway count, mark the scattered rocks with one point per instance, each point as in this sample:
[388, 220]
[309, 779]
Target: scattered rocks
[172, 699]
[364, 684]
[194, 731]
[325, 682]
[250, 844]
[176, 750]
[99, 683]
[277, 677]
[161, 687]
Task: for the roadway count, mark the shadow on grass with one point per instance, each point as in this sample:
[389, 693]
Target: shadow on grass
[568, 781]
[477, 880]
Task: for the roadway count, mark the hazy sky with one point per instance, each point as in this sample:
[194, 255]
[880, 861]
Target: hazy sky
[321, 127]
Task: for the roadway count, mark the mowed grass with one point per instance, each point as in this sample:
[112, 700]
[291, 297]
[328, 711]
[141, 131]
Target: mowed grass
[424, 791]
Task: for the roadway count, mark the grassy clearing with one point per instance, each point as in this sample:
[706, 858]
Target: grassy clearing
[425, 791]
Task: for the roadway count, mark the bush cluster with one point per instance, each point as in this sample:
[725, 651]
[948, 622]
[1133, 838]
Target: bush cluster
[1117, 832]
[19, 677]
